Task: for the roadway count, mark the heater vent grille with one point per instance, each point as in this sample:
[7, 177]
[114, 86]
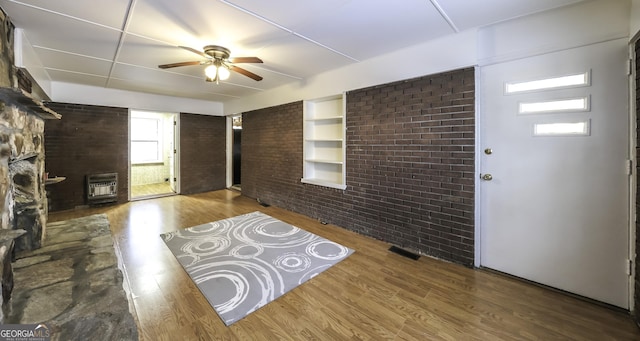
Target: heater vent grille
[102, 188]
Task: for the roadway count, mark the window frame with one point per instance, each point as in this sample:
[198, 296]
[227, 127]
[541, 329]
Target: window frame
[155, 139]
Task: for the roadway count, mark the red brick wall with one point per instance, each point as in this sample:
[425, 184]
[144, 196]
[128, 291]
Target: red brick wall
[87, 140]
[94, 139]
[202, 153]
[271, 154]
[410, 164]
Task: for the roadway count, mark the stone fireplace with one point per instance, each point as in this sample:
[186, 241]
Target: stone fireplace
[23, 201]
[26, 201]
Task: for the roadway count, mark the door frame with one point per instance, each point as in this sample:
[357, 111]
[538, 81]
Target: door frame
[176, 145]
[477, 233]
[633, 180]
[176, 155]
[229, 148]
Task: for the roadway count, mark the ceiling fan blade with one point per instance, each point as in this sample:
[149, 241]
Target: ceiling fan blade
[245, 72]
[200, 53]
[245, 60]
[166, 66]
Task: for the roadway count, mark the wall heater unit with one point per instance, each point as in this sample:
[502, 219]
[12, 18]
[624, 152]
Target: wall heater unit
[102, 188]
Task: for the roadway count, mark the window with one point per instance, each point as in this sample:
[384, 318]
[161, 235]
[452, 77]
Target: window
[581, 79]
[565, 105]
[581, 128]
[146, 140]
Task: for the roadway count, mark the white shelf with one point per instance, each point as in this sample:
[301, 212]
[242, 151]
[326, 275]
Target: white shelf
[335, 162]
[332, 118]
[324, 144]
[322, 182]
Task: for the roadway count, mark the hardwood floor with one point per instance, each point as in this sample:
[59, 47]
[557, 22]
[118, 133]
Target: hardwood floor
[372, 295]
[151, 190]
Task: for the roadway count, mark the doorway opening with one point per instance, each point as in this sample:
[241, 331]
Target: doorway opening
[153, 154]
[236, 151]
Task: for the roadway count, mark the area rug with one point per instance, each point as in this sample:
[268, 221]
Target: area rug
[242, 263]
[73, 284]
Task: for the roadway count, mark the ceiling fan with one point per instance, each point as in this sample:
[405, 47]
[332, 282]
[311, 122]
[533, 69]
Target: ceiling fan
[219, 63]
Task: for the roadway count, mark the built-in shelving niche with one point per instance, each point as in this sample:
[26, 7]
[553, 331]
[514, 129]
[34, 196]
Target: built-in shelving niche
[324, 142]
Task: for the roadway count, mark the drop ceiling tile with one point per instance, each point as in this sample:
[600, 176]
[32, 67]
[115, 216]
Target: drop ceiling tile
[378, 28]
[151, 53]
[69, 62]
[297, 12]
[110, 13]
[65, 34]
[299, 58]
[467, 14]
[199, 23]
[75, 78]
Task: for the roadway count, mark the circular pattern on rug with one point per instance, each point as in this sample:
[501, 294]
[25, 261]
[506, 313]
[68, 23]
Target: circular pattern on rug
[328, 250]
[271, 234]
[188, 259]
[232, 289]
[196, 232]
[206, 246]
[247, 251]
[292, 262]
[240, 286]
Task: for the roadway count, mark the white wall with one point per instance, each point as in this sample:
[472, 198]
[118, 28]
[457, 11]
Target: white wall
[25, 55]
[568, 27]
[634, 24]
[572, 26]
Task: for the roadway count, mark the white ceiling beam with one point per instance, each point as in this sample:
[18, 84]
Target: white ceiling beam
[444, 15]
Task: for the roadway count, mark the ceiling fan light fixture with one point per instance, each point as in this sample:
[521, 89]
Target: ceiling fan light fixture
[211, 71]
[219, 64]
[223, 73]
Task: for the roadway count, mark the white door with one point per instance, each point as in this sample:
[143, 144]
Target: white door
[554, 202]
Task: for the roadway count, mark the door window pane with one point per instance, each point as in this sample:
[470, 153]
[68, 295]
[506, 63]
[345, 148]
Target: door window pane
[581, 79]
[573, 104]
[562, 129]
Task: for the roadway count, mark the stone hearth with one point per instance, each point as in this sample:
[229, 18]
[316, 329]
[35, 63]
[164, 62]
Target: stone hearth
[73, 284]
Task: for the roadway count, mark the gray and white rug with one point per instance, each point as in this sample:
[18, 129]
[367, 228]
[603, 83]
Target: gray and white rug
[242, 263]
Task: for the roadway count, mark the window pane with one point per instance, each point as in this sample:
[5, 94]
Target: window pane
[561, 129]
[549, 83]
[144, 151]
[144, 129]
[574, 104]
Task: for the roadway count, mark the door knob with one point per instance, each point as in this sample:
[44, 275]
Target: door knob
[486, 177]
